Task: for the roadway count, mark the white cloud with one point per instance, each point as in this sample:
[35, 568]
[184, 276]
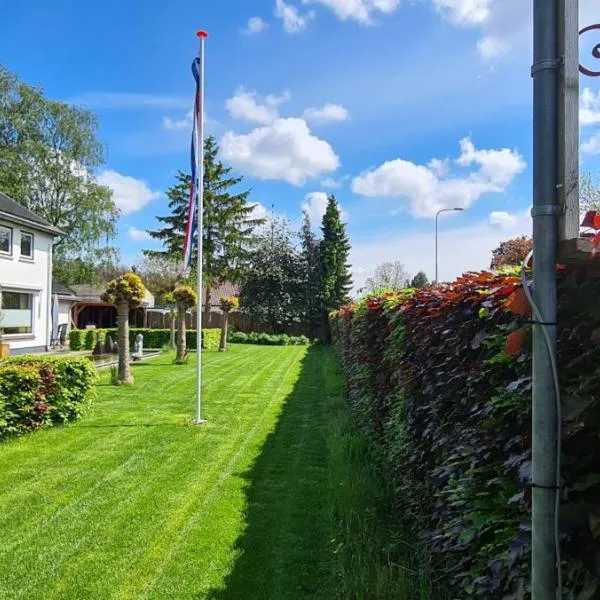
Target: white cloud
[138, 234]
[460, 249]
[125, 100]
[334, 184]
[293, 20]
[464, 12]
[358, 10]
[315, 205]
[428, 191]
[326, 114]
[591, 145]
[255, 26]
[129, 194]
[177, 124]
[589, 107]
[285, 150]
[502, 220]
[250, 106]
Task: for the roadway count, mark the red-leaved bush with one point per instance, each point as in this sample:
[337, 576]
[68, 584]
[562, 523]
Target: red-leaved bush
[441, 380]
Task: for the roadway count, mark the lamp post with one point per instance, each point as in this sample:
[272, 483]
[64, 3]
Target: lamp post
[437, 214]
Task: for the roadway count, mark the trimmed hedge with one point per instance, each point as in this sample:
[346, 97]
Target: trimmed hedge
[41, 391]
[238, 337]
[86, 339]
[441, 379]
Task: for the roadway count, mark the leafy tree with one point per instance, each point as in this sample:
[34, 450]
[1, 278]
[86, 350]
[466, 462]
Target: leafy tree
[589, 192]
[228, 224]
[227, 305]
[336, 280]
[169, 301]
[273, 285]
[48, 155]
[185, 297]
[310, 256]
[419, 280]
[511, 252]
[125, 293]
[388, 275]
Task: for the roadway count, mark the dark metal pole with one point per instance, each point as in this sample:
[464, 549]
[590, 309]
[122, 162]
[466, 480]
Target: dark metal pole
[545, 243]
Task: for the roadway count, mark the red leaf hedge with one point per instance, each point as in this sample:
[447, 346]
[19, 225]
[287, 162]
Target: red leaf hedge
[440, 377]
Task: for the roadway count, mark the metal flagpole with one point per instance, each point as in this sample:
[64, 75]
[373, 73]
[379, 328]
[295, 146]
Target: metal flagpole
[200, 215]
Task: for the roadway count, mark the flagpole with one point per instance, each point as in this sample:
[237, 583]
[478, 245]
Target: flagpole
[200, 215]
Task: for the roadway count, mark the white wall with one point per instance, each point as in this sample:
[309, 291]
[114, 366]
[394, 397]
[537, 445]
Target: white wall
[64, 312]
[25, 275]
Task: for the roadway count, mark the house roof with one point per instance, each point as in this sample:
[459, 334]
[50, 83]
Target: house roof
[13, 211]
[226, 290]
[62, 290]
[92, 293]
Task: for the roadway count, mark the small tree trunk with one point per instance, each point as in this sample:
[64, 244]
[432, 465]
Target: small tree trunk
[207, 303]
[125, 377]
[224, 327]
[181, 342]
[172, 335]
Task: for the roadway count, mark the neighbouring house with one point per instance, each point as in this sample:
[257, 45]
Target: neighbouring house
[89, 310]
[26, 242]
[66, 300]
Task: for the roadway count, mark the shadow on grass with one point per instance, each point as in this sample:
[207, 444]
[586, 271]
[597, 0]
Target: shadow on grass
[313, 522]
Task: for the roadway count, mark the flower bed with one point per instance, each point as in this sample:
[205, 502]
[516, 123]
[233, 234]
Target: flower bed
[441, 380]
[41, 391]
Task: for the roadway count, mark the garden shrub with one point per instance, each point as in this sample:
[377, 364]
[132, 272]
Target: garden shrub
[266, 339]
[85, 339]
[441, 379]
[38, 391]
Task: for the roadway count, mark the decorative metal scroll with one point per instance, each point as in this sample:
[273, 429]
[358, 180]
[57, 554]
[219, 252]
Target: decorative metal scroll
[595, 52]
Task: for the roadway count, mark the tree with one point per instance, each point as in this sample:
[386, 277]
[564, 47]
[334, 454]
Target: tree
[228, 225]
[169, 300]
[161, 275]
[419, 280]
[273, 286]
[125, 293]
[310, 257]
[227, 305]
[511, 252]
[185, 298]
[48, 156]
[388, 275]
[336, 280]
[589, 192]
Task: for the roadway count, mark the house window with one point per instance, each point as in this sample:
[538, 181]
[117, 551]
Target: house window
[16, 316]
[5, 240]
[26, 245]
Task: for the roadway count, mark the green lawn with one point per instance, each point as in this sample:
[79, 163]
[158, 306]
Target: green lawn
[274, 498]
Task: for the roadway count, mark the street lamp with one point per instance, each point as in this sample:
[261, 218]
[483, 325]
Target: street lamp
[439, 212]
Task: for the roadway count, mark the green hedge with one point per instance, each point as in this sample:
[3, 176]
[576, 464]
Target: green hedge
[441, 380]
[39, 391]
[265, 339]
[86, 339]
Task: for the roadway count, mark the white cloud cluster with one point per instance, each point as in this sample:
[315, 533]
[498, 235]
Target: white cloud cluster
[293, 21]
[255, 26]
[138, 235]
[283, 150]
[130, 194]
[502, 220]
[185, 122]
[248, 105]
[589, 108]
[464, 12]
[329, 113]
[315, 205]
[361, 11]
[428, 188]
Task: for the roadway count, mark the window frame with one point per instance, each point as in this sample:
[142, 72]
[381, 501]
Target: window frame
[28, 257]
[32, 296]
[11, 231]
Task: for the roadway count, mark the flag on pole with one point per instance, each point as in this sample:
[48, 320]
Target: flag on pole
[192, 224]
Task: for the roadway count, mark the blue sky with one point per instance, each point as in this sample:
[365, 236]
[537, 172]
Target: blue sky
[405, 107]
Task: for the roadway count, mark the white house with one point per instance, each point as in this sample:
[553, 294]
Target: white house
[26, 242]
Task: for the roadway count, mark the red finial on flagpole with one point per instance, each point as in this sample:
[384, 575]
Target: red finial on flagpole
[202, 34]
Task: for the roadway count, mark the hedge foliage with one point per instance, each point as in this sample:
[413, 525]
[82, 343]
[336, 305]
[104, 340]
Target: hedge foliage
[265, 339]
[441, 378]
[86, 339]
[39, 391]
